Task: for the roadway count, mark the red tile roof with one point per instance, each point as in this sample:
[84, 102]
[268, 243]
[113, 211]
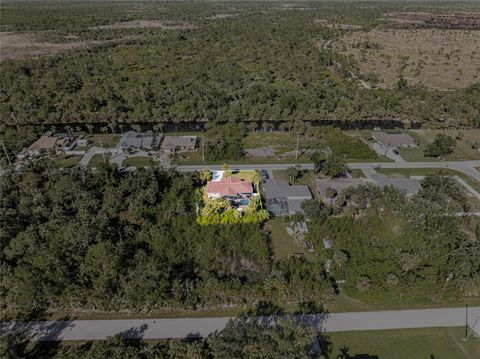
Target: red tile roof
[229, 186]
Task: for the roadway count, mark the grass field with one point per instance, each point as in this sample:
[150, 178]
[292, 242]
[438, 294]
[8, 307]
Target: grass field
[437, 59]
[428, 343]
[245, 175]
[138, 161]
[283, 244]
[67, 161]
[96, 160]
[103, 140]
[463, 150]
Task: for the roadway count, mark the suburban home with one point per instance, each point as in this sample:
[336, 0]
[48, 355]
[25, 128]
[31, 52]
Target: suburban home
[132, 139]
[337, 184]
[49, 142]
[234, 189]
[179, 143]
[282, 199]
[399, 140]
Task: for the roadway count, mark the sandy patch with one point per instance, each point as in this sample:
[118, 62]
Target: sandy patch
[16, 46]
[261, 152]
[222, 16]
[437, 59]
[325, 22]
[159, 24]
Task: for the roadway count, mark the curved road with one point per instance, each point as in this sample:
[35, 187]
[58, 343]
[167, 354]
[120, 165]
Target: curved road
[197, 327]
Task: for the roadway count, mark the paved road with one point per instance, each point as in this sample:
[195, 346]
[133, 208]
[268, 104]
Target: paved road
[466, 167]
[195, 327]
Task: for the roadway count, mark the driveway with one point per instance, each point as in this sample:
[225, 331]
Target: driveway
[200, 327]
[390, 153]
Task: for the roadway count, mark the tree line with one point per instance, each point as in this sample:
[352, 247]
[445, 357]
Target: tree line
[263, 65]
[108, 241]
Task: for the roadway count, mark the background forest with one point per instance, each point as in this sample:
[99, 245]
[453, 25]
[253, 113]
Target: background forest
[199, 61]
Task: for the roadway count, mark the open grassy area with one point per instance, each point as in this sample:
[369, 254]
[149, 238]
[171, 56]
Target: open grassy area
[139, 161]
[104, 140]
[195, 158]
[463, 150]
[248, 175]
[283, 244]
[428, 343]
[67, 161]
[437, 59]
[96, 160]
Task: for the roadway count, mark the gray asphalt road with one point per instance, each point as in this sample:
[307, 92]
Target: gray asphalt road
[466, 167]
[195, 327]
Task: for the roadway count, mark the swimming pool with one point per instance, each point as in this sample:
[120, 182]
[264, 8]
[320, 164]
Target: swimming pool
[217, 175]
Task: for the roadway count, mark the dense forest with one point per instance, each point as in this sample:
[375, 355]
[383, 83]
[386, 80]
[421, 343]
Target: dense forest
[255, 61]
[112, 241]
[386, 245]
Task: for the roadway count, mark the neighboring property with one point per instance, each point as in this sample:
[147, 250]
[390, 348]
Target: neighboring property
[398, 140]
[410, 185]
[134, 140]
[179, 143]
[283, 199]
[237, 191]
[337, 184]
[49, 142]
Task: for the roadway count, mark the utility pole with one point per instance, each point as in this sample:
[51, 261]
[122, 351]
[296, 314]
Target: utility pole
[103, 152]
[296, 152]
[203, 152]
[6, 153]
[466, 321]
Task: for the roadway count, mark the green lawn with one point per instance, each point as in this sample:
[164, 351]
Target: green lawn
[195, 158]
[282, 142]
[422, 343]
[139, 161]
[283, 245]
[96, 160]
[102, 140]
[463, 150]
[67, 161]
[247, 175]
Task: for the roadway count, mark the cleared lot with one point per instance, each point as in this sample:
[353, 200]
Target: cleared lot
[437, 59]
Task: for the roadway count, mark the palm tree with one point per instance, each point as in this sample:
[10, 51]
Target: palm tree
[104, 129]
[476, 146]
[112, 127]
[69, 129]
[89, 128]
[292, 173]
[121, 127]
[136, 128]
[331, 193]
[53, 129]
[158, 127]
[265, 126]
[252, 126]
